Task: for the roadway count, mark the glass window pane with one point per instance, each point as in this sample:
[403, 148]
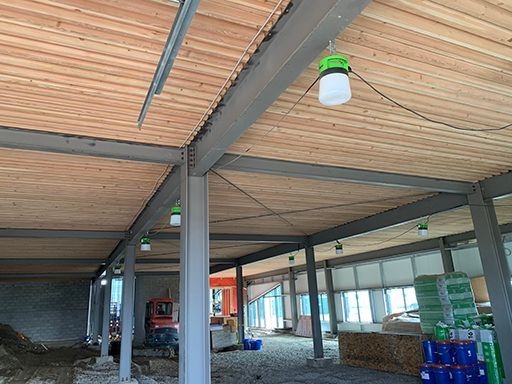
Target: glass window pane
[365, 309]
[395, 300]
[410, 298]
[351, 310]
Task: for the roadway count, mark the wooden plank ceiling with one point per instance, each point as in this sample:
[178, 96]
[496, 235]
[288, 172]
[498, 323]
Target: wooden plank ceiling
[448, 223]
[450, 60]
[83, 67]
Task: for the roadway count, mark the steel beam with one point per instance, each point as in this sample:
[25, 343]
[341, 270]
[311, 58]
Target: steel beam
[58, 233]
[340, 174]
[105, 329]
[41, 261]
[496, 271]
[497, 186]
[269, 253]
[127, 306]
[446, 255]
[316, 325]
[88, 146]
[329, 285]
[240, 302]
[96, 304]
[239, 237]
[295, 42]
[293, 299]
[60, 275]
[194, 332]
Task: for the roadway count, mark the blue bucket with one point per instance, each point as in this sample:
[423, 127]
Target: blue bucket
[465, 352]
[442, 374]
[256, 345]
[482, 368]
[460, 374]
[429, 351]
[247, 344]
[427, 374]
[445, 352]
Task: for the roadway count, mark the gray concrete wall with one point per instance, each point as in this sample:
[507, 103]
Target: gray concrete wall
[148, 287]
[46, 312]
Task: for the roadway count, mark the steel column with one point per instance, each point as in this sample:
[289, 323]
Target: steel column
[293, 299]
[240, 302]
[496, 271]
[329, 284]
[96, 321]
[194, 331]
[125, 360]
[446, 255]
[313, 301]
[105, 329]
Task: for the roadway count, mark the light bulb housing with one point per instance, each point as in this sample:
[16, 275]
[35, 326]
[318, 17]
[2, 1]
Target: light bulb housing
[104, 281]
[334, 81]
[423, 230]
[175, 220]
[117, 270]
[339, 249]
[291, 260]
[145, 244]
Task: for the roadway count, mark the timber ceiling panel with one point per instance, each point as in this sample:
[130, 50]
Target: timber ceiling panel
[450, 60]
[453, 222]
[56, 191]
[83, 67]
[305, 206]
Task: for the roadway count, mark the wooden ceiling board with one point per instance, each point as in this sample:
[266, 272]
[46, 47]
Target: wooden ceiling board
[57, 191]
[84, 67]
[451, 62]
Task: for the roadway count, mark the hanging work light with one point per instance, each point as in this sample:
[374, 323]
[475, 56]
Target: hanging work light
[175, 220]
[339, 249]
[334, 83]
[145, 244]
[117, 269]
[291, 260]
[104, 281]
[423, 229]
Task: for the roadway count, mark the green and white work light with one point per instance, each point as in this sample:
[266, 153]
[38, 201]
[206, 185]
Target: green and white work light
[175, 219]
[334, 83]
[339, 249]
[423, 230]
[145, 244]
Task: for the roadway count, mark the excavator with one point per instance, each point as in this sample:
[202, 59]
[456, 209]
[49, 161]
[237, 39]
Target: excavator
[161, 324]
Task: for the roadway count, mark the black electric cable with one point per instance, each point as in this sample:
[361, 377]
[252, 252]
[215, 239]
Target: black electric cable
[422, 115]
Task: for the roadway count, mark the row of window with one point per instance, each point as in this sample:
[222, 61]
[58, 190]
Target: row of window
[267, 311]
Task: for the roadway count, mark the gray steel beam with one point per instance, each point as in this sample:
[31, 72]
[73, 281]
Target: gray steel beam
[59, 233]
[105, 327]
[340, 174]
[157, 273]
[58, 275]
[497, 186]
[194, 332]
[240, 302]
[249, 238]
[268, 253]
[88, 146]
[446, 255]
[496, 271]
[329, 286]
[41, 261]
[295, 42]
[127, 307]
[316, 325]
[293, 299]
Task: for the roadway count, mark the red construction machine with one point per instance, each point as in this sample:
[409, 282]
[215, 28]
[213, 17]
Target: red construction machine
[161, 324]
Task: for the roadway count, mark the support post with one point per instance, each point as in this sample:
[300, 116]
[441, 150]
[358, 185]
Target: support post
[240, 302]
[125, 360]
[313, 300]
[293, 299]
[446, 255]
[194, 334]
[96, 303]
[105, 329]
[329, 284]
[496, 271]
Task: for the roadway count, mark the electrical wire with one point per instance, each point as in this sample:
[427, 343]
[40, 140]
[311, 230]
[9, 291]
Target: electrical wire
[424, 117]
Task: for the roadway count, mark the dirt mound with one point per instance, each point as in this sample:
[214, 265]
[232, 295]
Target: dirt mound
[16, 342]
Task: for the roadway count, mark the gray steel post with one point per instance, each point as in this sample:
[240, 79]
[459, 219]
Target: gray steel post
[446, 255]
[105, 329]
[96, 311]
[125, 360]
[329, 284]
[496, 271]
[194, 331]
[240, 302]
[313, 300]
[293, 299]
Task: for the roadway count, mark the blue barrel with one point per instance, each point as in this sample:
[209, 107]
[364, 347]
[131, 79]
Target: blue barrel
[247, 344]
[445, 352]
[427, 374]
[482, 372]
[442, 374]
[465, 352]
[256, 345]
[429, 351]
[460, 374]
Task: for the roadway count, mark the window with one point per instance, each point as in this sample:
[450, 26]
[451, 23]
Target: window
[267, 311]
[163, 309]
[305, 306]
[400, 300]
[324, 307]
[357, 307]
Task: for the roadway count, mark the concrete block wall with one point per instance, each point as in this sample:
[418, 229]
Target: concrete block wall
[148, 287]
[46, 311]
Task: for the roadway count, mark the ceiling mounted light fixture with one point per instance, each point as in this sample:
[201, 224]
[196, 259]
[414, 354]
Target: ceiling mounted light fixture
[175, 219]
[423, 230]
[339, 248]
[291, 260]
[145, 244]
[334, 82]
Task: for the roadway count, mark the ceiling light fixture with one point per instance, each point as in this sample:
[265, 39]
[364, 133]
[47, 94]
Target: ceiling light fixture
[339, 248]
[145, 244]
[175, 219]
[423, 230]
[334, 82]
